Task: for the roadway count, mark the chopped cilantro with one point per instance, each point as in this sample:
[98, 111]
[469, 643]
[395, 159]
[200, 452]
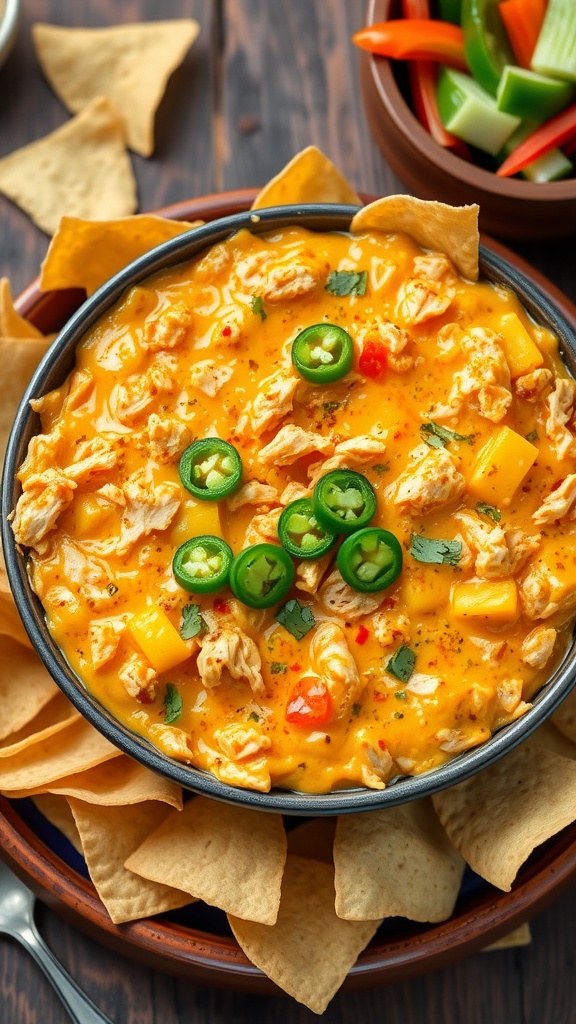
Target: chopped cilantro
[489, 510]
[192, 621]
[438, 437]
[253, 717]
[258, 307]
[400, 695]
[172, 703]
[296, 618]
[381, 467]
[331, 406]
[532, 436]
[356, 709]
[278, 667]
[347, 282]
[398, 714]
[401, 664]
[112, 589]
[433, 551]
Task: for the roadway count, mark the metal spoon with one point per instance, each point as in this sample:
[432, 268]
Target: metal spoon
[17, 920]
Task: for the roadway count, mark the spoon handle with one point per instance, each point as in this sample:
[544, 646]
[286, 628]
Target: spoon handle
[81, 1009]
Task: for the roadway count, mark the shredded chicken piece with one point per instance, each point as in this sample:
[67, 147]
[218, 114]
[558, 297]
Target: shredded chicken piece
[537, 646]
[132, 398]
[355, 451]
[44, 497]
[253, 492]
[172, 740]
[274, 401]
[544, 594]
[148, 507]
[454, 741]
[340, 599]
[241, 742]
[110, 492]
[105, 637]
[391, 628]
[168, 330]
[213, 263]
[230, 650]
[394, 338]
[253, 775]
[210, 378]
[559, 411]
[434, 266]
[378, 768]
[292, 443]
[139, 678]
[531, 386]
[431, 484]
[309, 574]
[278, 281]
[43, 454]
[484, 382]
[293, 491]
[333, 661]
[98, 455]
[558, 504]
[490, 650]
[82, 385]
[497, 552]
[167, 437]
[263, 528]
[420, 300]
[511, 705]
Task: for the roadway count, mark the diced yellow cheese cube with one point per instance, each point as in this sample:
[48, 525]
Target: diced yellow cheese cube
[158, 639]
[500, 467]
[89, 514]
[196, 519]
[425, 592]
[522, 354]
[496, 601]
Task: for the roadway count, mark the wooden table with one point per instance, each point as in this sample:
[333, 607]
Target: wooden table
[264, 79]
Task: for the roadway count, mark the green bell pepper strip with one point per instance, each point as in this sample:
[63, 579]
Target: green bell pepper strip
[202, 565]
[261, 575]
[343, 501]
[370, 559]
[322, 353]
[210, 469]
[485, 42]
[529, 95]
[300, 532]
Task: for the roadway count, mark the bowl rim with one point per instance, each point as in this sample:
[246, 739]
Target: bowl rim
[422, 143]
[8, 27]
[50, 374]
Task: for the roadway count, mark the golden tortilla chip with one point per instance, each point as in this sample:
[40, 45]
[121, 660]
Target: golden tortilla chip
[86, 253]
[395, 862]
[109, 835]
[10, 621]
[310, 177]
[19, 357]
[564, 718]
[520, 936]
[130, 64]
[119, 782]
[25, 686]
[12, 325]
[497, 818]
[230, 857]
[81, 170]
[313, 839]
[73, 749]
[309, 951]
[56, 810]
[55, 716]
[452, 230]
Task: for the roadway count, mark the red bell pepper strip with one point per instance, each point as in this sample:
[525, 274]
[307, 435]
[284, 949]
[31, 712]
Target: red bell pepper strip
[522, 21]
[309, 703]
[373, 359]
[555, 132]
[415, 39]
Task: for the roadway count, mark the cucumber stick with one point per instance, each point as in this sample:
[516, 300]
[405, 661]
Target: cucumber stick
[527, 94]
[471, 114]
[555, 52]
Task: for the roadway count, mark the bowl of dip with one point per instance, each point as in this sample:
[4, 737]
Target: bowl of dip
[286, 512]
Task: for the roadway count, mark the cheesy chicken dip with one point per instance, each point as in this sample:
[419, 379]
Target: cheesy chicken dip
[303, 513]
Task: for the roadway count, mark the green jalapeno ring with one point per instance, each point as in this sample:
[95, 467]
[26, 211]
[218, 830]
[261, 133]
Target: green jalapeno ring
[301, 534]
[211, 469]
[261, 575]
[322, 353]
[370, 559]
[343, 501]
[202, 564]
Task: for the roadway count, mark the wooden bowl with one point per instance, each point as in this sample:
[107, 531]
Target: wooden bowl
[509, 207]
[207, 955]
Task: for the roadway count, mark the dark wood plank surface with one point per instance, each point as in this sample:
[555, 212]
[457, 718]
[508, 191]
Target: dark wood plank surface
[264, 79]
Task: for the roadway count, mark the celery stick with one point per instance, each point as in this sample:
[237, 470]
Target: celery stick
[470, 113]
[555, 52]
[551, 166]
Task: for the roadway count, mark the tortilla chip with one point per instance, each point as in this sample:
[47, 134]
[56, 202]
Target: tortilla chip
[549, 736]
[86, 253]
[25, 686]
[310, 177]
[73, 749]
[230, 857]
[313, 839]
[56, 810]
[19, 357]
[119, 782]
[12, 325]
[452, 230]
[520, 936]
[109, 835]
[130, 64]
[395, 862]
[497, 818]
[82, 170]
[309, 951]
[10, 621]
[564, 718]
[57, 715]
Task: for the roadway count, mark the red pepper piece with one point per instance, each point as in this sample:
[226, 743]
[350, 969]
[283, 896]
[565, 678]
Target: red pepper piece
[555, 132]
[362, 635]
[415, 39]
[373, 360]
[309, 703]
[522, 21]
[221, 606]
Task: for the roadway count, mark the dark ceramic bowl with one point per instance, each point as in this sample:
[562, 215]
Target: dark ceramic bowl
[51, 373]
[509, 207]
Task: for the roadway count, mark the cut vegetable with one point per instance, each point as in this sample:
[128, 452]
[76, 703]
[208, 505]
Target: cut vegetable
[555, 52]
[523, 21]
[415, 39]
[500, 467]
[553, 133]
[158, 639]
[494, 600]
[470, 113]
[485, 42]
[522, 354]
[527, 94]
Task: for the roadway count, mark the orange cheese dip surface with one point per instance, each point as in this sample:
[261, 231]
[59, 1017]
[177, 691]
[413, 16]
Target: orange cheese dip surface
[464, 430]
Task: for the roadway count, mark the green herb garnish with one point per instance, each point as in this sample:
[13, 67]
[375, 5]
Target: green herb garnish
[356, 709]
[258, 307]
[489, 510]
[400, 695]
[331, 406]
[381, 467]
[438, 437]
[112, 589]
[296, 618]
[347, 282]
[253, 717]
[172, 703]
[532, 436]
[192, 621]
[433, 551]
[401, 664]
[277, 668]
[398, 714]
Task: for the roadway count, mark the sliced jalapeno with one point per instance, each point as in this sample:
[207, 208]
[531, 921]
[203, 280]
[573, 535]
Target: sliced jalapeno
[343, 501]
[322, 353]
[300, 532]
[210, 469]
[370, 559]
[202, 564]
[262, 575]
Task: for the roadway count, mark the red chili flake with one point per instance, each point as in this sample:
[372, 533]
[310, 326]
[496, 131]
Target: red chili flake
[296, 667]
[555, 486]
[373, 360]
[362, 635]
[397, 434]
[221, 606]
[388, 603]
[226, 331]
[379, 696]
[382, 744]
[143, 697]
